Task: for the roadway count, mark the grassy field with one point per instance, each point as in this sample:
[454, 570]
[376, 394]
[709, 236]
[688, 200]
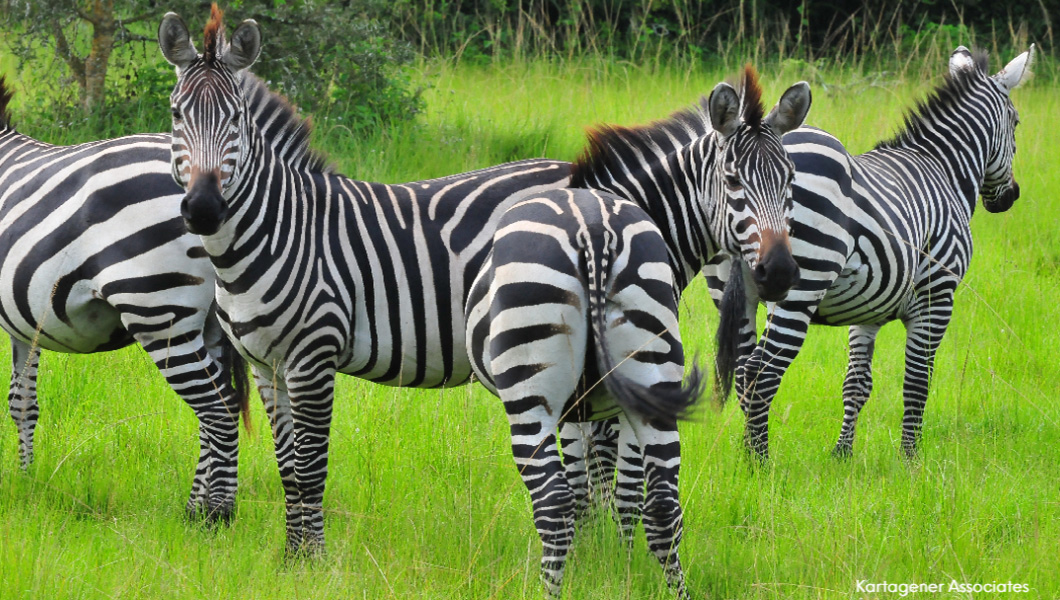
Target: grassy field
[423, 499]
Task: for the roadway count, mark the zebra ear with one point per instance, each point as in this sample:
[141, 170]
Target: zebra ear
[791, 109]
[245, 46]
[175, 41]
[961, 60]
[724, 106]
[1016, 72]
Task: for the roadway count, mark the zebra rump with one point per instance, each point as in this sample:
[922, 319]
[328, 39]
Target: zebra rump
[664, 405]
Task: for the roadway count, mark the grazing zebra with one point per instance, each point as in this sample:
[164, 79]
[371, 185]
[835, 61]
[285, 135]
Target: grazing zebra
[93, 258]
[879, 237]
[582, 286]
[318, 273]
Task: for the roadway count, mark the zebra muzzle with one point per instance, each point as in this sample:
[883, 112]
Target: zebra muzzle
[776, 273]
[1004, 200]
[204, 208]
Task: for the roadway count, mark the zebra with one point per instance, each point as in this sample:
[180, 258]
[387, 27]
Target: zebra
[93, 257]
[879, 237]
[582, 286]
[318, 274]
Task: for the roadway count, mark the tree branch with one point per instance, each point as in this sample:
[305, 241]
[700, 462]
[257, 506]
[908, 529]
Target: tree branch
[62, 48]
[125, 36]
[81, 14]
[142, 17]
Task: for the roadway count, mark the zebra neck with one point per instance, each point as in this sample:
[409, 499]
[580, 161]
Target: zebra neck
[956, 140]
[267, 205]
[671, 190]
[964, 166]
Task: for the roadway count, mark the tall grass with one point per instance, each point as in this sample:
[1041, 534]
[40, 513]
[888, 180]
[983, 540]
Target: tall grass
[423, 499]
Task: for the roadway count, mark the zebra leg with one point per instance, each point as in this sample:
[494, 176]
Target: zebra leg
[589, 453]
[629, 488]
[858, 383]
[603, 453]
[534, 395]
[663, 521]
[273, 392]
[576, 443]
[780, 344]
[539, 464]
[206, 387]
[922, 338]
[311, 391]
[746, 345]
[22, 397]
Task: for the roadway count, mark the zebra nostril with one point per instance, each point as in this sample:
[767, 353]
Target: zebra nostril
[760, 272]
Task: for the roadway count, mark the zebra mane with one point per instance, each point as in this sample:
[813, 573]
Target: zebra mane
[607, 143]
[280, 124]
[751, 109]
[214, 34]
[6, 93]
[946, 95]
[609, 146]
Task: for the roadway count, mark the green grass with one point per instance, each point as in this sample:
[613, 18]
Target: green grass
[423, 498]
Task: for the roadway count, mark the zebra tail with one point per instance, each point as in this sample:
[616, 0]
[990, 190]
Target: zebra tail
[234, 364]
[733, 305]
[6, 93]
[666, 404]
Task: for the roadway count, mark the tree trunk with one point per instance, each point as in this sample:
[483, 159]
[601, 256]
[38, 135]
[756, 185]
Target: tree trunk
[101, 16]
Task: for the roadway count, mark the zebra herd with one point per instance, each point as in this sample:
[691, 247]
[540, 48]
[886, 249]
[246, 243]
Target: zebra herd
[230, 244]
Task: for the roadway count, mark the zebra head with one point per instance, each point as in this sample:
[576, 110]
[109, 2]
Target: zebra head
[751, 179]
[999, 189]
[210, 120]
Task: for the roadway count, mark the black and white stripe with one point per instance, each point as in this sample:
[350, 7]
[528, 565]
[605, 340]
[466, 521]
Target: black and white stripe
[319, 274]
[94, 257]
[884, 236]
[582, 285]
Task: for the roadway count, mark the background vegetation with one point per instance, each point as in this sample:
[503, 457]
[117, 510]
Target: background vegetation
[423, 500]
[95, 60]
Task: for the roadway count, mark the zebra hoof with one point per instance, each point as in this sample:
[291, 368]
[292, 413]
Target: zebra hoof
[220, 515]
[304, 551]
[199, 511]
[843, 452]
[757, 454]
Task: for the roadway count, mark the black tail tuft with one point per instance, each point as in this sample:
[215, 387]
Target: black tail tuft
[665, 404]
[661, 403]
[6, 93]
[733, 304]
[236, 366]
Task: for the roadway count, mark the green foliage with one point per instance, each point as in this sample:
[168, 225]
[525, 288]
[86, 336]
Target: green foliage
[335, 58]
[643, 29]
[326, 56]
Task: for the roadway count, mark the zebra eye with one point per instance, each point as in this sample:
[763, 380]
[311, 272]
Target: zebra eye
[733, 180]
[176, 113]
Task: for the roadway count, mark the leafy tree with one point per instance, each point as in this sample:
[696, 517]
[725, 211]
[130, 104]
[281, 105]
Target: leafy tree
[83, 33]
[323, 54]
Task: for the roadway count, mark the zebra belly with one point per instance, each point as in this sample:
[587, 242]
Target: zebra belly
[865, 293]
[434, 371]
[89, 324]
